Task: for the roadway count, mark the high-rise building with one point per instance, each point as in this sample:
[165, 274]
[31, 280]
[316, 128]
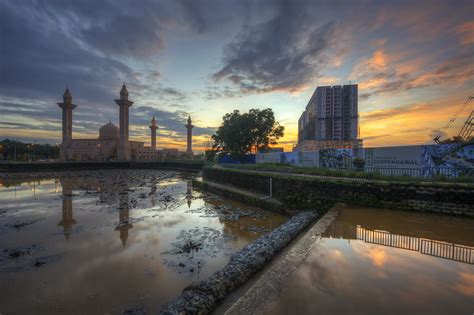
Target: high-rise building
[330, 119]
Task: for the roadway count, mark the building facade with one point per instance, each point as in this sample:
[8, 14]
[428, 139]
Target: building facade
[113, 142]
[330, 119]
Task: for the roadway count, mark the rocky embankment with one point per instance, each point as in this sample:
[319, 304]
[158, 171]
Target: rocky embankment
[202, 297]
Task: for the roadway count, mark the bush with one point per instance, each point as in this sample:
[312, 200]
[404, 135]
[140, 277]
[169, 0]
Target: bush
[358, 163]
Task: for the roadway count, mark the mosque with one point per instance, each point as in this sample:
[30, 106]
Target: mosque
[113, 142]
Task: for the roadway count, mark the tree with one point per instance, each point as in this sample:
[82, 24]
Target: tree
[22, 150]
[240, 134]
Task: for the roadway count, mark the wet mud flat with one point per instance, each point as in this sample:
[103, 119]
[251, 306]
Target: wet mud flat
[114, 241]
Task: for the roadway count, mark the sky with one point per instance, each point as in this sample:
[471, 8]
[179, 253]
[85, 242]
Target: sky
[413, 62]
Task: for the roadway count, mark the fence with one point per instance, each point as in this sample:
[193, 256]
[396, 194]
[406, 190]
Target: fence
[430, 247]
[426, 172]
[447, 250]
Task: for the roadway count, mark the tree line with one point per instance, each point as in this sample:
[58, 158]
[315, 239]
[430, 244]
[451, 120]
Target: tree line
[23, 151]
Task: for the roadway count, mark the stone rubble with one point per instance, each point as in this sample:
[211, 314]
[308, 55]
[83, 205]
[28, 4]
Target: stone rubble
[202, 297]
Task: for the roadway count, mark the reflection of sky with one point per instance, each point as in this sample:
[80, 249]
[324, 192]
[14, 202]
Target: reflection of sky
[412, 61]
[97, 271]
[348, 276]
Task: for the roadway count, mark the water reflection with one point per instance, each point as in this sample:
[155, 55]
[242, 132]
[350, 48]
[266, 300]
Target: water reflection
[124, 217]
[425, 246]
[68, 237]
[67, 220]
[189, 192]
[374, 261]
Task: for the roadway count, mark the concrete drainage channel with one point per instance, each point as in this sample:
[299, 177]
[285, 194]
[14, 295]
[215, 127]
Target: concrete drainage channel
[268, 287]
[202, 297]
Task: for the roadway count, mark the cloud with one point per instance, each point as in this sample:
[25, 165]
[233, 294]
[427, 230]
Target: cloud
[389, 79]
[415, 123]
[47, 50]
[466, 30]
[122, 28]
[39, 59]
[284, 53]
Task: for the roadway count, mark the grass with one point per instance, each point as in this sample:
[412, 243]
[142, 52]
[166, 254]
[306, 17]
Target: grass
[288, 169]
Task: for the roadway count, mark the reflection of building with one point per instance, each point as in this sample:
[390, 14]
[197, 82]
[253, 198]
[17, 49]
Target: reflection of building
[124, 217]
[330, 119]
[67, 219]
[109, 194]
[189, 192]
[113, 142]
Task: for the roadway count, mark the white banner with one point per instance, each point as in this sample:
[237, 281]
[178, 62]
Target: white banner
[394, 157]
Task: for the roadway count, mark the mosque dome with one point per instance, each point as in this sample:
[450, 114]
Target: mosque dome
[109, 132]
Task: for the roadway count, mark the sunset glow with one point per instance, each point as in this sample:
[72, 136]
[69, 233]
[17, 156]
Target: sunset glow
[413, 63]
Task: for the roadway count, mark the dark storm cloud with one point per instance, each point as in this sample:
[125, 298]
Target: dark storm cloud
[37, 60]
[284, 53]
[46, 45]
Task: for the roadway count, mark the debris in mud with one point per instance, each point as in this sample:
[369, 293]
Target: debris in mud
[135, 310]
[18, 225]
[258, 230]
[19, 252]
[24, 258]
[41, 261]
[193, 247]
[226, 212]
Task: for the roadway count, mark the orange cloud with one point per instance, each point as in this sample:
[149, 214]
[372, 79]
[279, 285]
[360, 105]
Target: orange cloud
[467, 33]
[411, 124]
[465, 285]
[379, 59]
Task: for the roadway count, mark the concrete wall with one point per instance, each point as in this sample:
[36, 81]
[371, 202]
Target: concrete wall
[303, 192]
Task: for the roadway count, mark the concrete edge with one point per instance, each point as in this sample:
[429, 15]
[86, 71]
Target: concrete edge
[268, 287]
[242, 195]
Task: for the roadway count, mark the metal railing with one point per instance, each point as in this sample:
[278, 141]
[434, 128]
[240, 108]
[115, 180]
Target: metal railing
[449, 173]
[447, 250]
[425, 246]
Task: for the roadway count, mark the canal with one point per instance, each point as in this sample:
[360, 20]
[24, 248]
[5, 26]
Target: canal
[375, 261]
[114, 241]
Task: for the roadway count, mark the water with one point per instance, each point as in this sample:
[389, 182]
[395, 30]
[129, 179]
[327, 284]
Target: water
[113, 241]
[373, 261]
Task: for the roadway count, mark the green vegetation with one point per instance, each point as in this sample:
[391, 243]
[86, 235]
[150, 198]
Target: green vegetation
[358, 163]
[20, 151]
[288, 169]
[240, 134]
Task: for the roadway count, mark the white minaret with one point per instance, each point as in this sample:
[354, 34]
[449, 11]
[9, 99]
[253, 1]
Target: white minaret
[153, 128]
[124, 151]
[67, 107]
[189, 150]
